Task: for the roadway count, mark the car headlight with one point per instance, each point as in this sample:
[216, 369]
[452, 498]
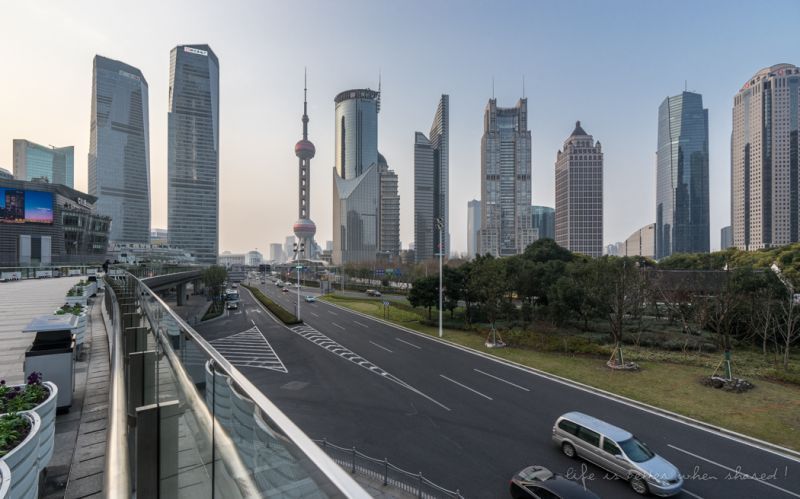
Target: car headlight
[659, 481]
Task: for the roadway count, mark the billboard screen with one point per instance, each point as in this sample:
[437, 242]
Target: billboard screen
[19, 206]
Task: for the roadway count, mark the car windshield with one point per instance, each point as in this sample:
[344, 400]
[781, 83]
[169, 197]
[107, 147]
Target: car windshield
[636, 450]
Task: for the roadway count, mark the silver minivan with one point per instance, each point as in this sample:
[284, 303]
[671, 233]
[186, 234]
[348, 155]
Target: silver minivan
[618, 452]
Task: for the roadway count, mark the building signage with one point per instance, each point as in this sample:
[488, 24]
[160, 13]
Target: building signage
[193, 50]
[19, 206]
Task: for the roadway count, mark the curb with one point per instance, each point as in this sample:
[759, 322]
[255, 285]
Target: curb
[781, 451]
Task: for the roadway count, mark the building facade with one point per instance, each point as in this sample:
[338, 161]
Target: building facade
[682, 202]
[389, 219]
[473, 227]
[544, 221]
[193, 151]
[431, 185]
[765, 155]
[506, 226]
[726, 238]
[34, 161]
[579, 194]
[6, 175]
[49, 224]
[276, 252]
[119, 149]
[642, 242]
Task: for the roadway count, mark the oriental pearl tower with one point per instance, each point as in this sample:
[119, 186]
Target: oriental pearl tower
[304, 228]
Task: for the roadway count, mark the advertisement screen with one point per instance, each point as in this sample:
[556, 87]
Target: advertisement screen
[18, 206]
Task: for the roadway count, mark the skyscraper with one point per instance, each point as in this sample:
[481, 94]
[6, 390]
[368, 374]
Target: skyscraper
[579, 194]
[359, 177]
[32, 161]
[506, 180]
[193, 151]
[544, 221]
[765, 155]
[276, 252]
[473, 227]
[682, 224]
[431, 184]
[305, 228]
[725, 237]
[119, 149]
[642, 242]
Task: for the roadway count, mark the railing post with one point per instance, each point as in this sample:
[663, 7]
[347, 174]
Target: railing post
[385, 471]
[354, 459]
[147, 450]
[141, 379]
[419, 487]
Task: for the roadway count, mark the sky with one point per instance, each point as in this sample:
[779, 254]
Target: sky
[608, 64]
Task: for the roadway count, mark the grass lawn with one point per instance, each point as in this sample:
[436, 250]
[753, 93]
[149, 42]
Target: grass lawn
[770, 412]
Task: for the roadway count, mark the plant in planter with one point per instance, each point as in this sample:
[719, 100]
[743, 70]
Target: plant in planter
[19, 440]
[40, 397]
[13, 430]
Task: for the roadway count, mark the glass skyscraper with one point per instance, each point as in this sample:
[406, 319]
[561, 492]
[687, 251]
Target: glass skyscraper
[32, 160]
[682, 223]
[431, 185]
[119, 149]
[544, 221]
[193, 159]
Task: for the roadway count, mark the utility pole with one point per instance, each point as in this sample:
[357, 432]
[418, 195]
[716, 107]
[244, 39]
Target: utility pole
[440, 225]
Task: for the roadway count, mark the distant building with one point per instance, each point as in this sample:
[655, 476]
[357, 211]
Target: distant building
[139, 253]
[226, 259]
[5, 174]
[389, 220]
[765, 159]
[642, 242]
[544, 220]
[159, 236]
[726, 238]
[288, 248]
[682, 202]
[615, 249]
[506, 227]
[49, 224]
[193, 151]
[119, 149]
[473, 227]
[34, 161]
[254, 258]
[579, 194]
[431, 185]
[329, 246]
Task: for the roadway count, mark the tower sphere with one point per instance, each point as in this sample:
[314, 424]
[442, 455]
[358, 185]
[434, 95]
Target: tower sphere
[304, 229]
[304, 149]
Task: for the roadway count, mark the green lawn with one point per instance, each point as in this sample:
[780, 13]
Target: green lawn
[770, 412]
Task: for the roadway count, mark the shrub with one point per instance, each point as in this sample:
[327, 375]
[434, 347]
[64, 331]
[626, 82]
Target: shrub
[281, 313]
[215, 310]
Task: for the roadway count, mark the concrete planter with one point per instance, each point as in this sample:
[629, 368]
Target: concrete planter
[80, 300]
[22, 462]
[5, 480]
[47, 413]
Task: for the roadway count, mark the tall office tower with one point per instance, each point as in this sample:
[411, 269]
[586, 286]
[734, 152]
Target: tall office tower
[765, 159]
[193, 159]
[431, 185]
[682, 224]
[356, 179]
[276, 252]
[579, 194]
[288, 248]
[473, 227]
[32, 161]
[725, 237]
[119, 149]
[304, 228]
[506, 180]
[544, 221]
[642, 242]
[389, 219]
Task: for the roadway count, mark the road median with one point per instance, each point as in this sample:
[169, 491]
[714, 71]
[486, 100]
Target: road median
[281, 313]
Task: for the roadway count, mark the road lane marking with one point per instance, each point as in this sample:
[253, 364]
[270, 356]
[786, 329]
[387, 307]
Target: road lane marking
[254, 322]
[503, 380]
[737, 473]
[312, 313]
[410, 344]
[337, 325]
[360, 324]
[379, 346]
[249, 348]
[691, 494]
[465, 386]
[332, 312]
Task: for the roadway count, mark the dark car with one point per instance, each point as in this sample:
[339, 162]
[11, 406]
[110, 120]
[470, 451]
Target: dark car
[285, 290]
[540, 483]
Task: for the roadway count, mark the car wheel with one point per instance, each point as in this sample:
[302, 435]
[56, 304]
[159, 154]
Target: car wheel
[568, 450]
[638, 485]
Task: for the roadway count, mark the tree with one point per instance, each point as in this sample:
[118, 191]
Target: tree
[214, 278]
[489, 285]
[424, 293]
[453, 280]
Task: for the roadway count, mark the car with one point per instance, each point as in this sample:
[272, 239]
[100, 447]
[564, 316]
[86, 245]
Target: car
[232, 305]
[310, 299]
[278, 283]
[617, 451]
[373, 292]
[234, 285]
[285, 289]
[539, 482]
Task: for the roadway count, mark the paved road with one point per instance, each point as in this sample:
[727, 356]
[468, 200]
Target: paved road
[463, 420]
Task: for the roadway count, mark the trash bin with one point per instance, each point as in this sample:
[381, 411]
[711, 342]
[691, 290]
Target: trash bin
[52, 354]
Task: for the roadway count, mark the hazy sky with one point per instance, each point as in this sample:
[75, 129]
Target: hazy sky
[608, 64]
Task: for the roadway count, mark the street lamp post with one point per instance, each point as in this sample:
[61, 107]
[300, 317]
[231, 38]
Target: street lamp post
[298, 250]
[440, 225]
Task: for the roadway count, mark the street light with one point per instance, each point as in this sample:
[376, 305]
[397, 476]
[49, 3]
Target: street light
[440, 225]
[298, 250]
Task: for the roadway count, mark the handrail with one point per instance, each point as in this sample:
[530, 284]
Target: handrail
[116, 479]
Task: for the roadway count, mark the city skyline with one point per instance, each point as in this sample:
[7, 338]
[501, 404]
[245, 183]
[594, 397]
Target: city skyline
[625, 120]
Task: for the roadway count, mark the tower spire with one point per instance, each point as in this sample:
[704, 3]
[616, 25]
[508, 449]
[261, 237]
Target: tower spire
[305, 104]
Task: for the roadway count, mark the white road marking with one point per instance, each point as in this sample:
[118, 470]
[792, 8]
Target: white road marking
[465, 386]
[379, 346]
[691, 494]
[254, 322]
[409, 344]
[360, 324]
[737, 472]
[503, 380]
[332, 312]
[249, 348]
[337, 325]
[312, 313]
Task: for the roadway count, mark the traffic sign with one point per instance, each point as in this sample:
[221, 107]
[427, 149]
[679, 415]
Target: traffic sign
[386, 304]
[379, 271]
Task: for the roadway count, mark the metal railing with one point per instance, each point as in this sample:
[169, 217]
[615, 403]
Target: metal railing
[381, 469]
[183, 422]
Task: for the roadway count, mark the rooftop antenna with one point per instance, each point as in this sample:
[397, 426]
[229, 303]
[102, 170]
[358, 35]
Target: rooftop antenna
[685, 85]
[492, 87]
[523, 86]
[305, 103]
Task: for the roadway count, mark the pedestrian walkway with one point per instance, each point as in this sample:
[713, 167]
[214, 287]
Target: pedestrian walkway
[21, 301]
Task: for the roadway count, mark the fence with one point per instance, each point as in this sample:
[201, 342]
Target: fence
[381, 469]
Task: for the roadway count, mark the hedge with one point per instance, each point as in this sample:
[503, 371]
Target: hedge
[281, 313]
